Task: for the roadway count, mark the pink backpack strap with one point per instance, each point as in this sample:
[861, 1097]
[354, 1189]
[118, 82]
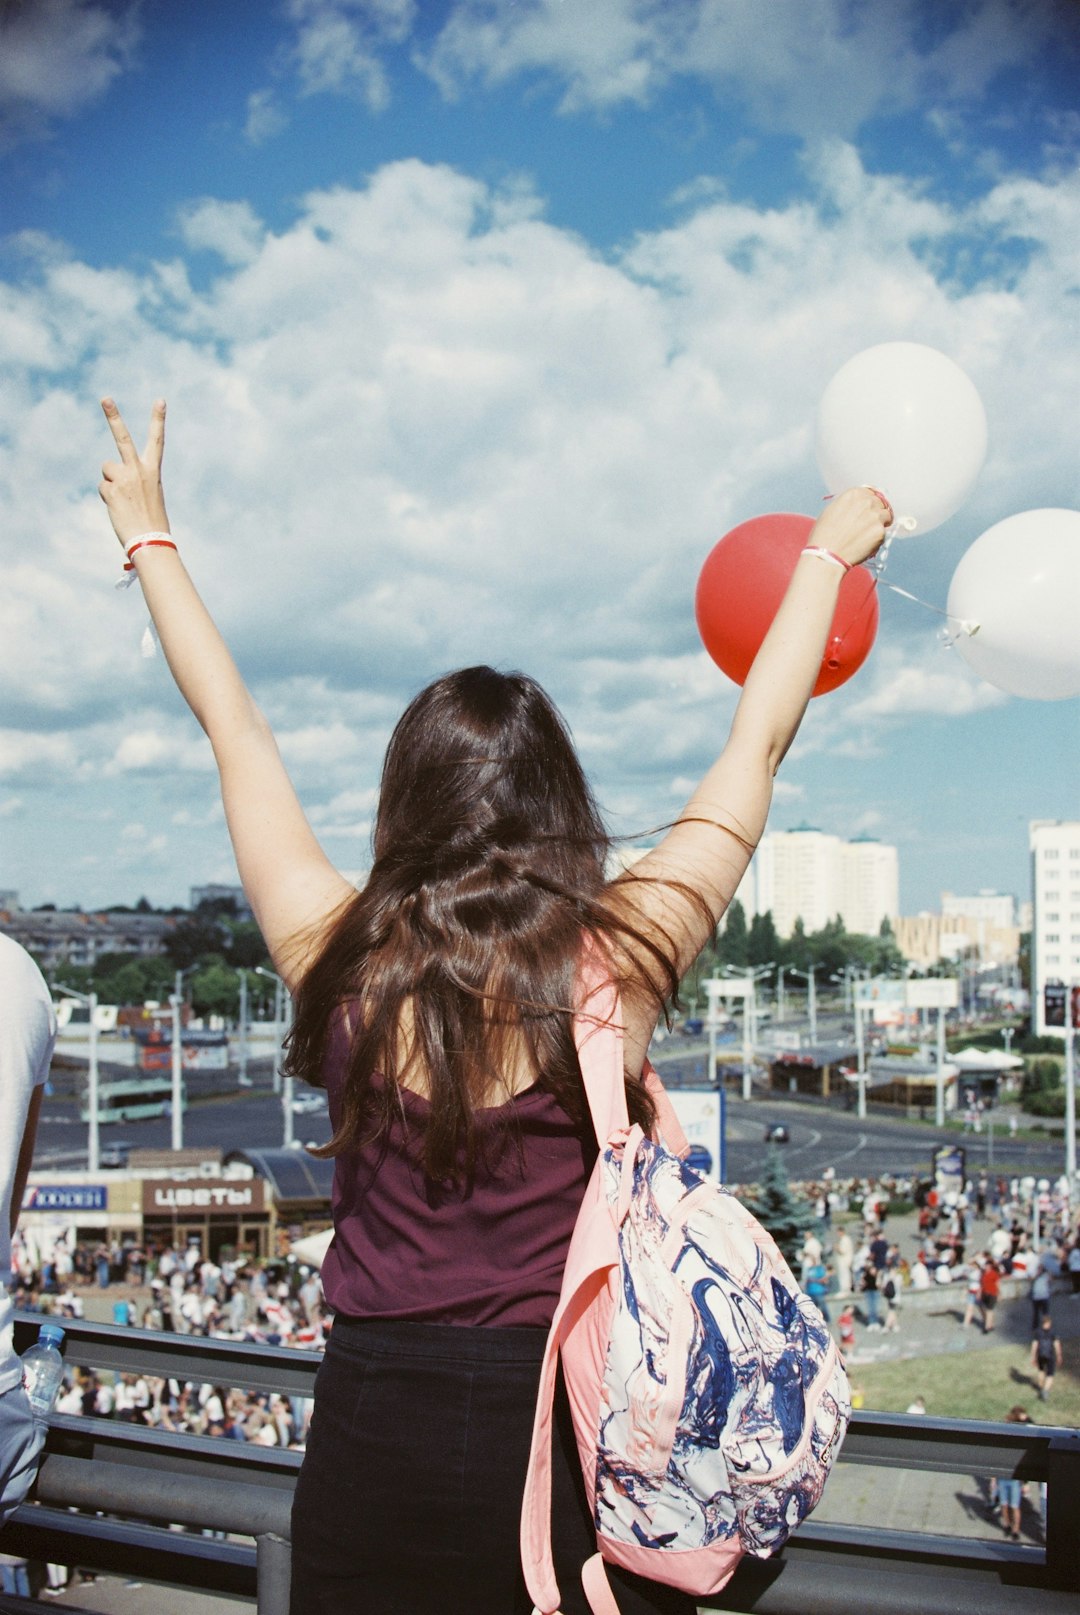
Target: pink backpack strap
[598, 1034]
[597, 1587]
[537, 1562]
[667, 1123]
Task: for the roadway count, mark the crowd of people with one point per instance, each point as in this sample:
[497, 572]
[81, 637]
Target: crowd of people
[850, 1264]
[277, 1303]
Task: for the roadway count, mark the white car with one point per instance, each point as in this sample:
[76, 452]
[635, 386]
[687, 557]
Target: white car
[306, 1104]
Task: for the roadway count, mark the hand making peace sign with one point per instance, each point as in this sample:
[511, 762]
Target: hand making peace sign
[131, 487]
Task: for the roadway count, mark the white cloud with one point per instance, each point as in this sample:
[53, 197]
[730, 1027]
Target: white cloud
[157, 750]
[231, 229]
[57, 57]
[828, 70]
[338, 45]
[265, 117]
[421, 426]
[25, 753]
[943, 688]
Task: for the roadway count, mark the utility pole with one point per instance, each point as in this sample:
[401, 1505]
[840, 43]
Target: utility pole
[93, 1086]
[243, 1080]
[93, 1141]
[1072, 1020]
[939, 1109]
[177, 1053]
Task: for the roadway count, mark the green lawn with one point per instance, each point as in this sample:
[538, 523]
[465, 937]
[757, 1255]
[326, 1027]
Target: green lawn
[973, 1385]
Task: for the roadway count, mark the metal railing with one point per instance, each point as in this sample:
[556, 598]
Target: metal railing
[110, 1495]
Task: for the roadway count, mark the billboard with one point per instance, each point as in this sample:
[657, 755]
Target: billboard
[66, 1197]
[1055, 998]
[199, 1051]
[699, 1113]
[949, 1168]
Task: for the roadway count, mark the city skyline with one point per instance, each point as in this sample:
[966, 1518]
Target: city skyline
[480, 323]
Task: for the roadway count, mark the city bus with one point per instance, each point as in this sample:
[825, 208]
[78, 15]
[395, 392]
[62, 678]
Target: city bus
[130, 1100]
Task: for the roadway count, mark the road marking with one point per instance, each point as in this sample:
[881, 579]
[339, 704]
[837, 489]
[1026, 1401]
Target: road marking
[812, 1142]
[864, 1139]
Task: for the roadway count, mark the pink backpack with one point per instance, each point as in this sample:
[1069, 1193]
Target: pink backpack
[708, 1397]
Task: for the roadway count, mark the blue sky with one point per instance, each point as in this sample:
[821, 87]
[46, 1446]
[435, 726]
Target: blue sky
[480, 322]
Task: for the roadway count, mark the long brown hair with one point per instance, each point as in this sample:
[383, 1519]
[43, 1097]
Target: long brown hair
[489, 860]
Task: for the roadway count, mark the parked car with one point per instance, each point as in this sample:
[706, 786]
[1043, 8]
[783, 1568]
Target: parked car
[115, 1154]
[306, 1104]
[777, 1133]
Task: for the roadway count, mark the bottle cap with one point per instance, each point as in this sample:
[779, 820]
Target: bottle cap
[51, 1332]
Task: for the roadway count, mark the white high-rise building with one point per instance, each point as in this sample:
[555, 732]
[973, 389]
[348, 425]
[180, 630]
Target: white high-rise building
[870, 884]
[1055, 891]
[808, 875]
[996, 909]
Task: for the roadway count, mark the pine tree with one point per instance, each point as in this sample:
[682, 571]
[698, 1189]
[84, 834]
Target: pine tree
[731, 945]
[785, 1215]
[763, 944]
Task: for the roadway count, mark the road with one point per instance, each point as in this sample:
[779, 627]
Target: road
[231, 1118]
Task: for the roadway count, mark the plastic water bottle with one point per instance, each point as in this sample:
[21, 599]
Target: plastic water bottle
[43, 1368]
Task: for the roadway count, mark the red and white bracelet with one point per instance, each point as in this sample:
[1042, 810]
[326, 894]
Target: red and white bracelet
[827, 555]
[148, 541]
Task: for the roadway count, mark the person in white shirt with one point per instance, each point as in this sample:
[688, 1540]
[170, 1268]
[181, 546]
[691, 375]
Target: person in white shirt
[27, 1036]
[920, 1274]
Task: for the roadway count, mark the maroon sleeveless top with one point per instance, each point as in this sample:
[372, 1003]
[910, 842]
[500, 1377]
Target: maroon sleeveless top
[491, 1253]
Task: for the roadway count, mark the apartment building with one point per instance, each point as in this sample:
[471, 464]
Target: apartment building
[809, 875]
[1055, 892]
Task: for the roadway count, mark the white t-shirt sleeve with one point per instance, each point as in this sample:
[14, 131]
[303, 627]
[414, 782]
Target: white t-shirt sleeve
[27, 1036]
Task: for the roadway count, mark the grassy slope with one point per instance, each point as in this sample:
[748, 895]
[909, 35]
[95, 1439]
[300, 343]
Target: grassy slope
[974, 1385]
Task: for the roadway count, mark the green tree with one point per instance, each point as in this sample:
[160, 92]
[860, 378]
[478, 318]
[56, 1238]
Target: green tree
[246, 946]
[214, 987]
[830, 948]
[788, 1217]
[1024, 960]
[763, 944]
[732, 945]
[194, 937]
[797, 948]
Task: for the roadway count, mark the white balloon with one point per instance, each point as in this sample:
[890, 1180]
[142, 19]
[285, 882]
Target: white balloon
[906, 419]
[1020, 583]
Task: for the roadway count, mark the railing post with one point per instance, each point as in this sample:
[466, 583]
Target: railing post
[1063, 1511]
[273, 1560]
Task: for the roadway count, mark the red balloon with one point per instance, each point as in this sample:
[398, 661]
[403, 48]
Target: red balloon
[743, 582]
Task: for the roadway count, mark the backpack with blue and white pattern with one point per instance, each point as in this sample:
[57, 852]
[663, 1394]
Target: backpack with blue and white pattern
[708, 1398]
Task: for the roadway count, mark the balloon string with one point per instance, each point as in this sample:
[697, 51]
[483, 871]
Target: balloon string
[965, 626]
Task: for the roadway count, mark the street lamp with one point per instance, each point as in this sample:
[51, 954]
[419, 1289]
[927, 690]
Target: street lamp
[176, 1051]
[93, 1140]
[749, 977]
[811, 1001]
[243, 1080]
[282, 1005]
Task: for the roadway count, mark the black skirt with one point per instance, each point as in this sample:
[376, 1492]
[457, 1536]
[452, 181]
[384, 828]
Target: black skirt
[409, 1498]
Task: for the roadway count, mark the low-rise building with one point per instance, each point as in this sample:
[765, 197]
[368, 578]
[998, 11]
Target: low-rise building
[58, 937]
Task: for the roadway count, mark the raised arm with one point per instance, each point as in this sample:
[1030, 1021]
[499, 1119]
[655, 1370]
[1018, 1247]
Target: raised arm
[710, 845]
[293, 888]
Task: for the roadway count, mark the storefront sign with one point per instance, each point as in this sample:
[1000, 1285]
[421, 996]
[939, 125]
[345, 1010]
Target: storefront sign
[66, 1197]
[165, 1198]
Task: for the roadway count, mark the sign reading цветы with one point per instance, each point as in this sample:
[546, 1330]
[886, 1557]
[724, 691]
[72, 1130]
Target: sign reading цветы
[162, 1197]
